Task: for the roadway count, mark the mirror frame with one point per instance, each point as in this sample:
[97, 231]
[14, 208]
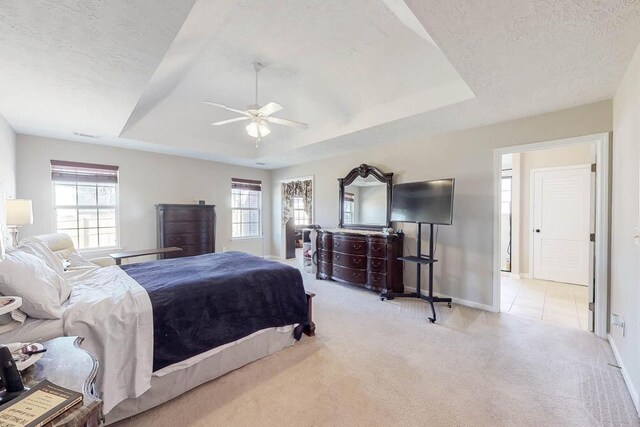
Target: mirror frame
[364, 171]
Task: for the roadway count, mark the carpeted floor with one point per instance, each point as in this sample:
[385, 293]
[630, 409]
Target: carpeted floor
[377, 363]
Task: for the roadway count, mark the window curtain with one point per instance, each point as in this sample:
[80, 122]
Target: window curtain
[293, 189]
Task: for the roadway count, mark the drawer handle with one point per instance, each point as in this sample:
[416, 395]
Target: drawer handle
[357, 246]
[356, 274]
[336, 244]
[376, 248]
[336, 257]
[376, 279]
[375, 264]
[357, 261]
[335, 270]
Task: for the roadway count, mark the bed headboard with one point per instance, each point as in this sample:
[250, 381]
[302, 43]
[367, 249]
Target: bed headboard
[59, 243]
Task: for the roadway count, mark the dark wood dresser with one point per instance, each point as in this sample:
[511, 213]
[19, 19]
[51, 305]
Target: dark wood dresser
[361, 258]
[189, 227]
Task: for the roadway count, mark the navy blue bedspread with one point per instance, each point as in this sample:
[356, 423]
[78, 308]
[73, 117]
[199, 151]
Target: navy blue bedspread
[205, 301]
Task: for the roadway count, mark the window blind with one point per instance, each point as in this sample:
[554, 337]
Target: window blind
[246, 184]
[83, 172]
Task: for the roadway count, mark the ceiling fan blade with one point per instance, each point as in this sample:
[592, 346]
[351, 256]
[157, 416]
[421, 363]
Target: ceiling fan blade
[270, 108]
[287, 122]
[224, 122]
[244, 113]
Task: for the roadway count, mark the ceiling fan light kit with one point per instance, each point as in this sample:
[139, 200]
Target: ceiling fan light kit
[254, 127]
[259, 116]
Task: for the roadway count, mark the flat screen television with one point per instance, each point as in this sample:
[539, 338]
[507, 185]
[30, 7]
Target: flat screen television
[429, 202]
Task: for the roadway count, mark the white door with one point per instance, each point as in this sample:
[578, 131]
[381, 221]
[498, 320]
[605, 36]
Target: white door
[562, 224]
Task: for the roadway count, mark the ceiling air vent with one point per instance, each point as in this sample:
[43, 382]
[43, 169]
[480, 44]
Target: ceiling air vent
[86, 135]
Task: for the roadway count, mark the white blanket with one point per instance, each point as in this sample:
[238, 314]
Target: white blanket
[114, 315]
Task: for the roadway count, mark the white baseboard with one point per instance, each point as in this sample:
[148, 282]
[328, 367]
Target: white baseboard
[625, 375]
[511, 275]
[458, 301]
[526, 276]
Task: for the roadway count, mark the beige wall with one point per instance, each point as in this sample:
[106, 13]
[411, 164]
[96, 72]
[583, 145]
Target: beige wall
[145, 179]
[7, 159]
[625, 218]
[550, 158]
[466, 248]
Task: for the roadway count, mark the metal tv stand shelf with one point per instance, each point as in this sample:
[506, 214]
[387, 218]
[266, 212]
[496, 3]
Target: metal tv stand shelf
[419, 260]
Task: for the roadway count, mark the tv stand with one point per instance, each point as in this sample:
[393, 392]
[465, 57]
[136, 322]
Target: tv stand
[420, 260]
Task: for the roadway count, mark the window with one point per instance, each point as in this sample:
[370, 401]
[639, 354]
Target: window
[246, 203]
[86, 203]
[300, 216]
[349, 207]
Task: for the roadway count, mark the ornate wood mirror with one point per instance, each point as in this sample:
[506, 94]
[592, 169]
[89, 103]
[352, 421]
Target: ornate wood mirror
[365, 198]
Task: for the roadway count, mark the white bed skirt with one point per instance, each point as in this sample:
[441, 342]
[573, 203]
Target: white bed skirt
[170, 382]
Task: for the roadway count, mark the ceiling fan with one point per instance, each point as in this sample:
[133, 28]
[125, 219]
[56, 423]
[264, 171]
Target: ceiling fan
[259, 116]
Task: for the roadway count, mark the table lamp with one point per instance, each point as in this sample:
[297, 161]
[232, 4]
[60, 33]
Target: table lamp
[19, 213]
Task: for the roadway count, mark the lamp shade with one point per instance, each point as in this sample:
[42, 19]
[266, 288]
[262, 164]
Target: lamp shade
[19, 211]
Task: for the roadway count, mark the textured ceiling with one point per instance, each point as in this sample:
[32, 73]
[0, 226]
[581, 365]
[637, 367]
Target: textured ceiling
[362, 73]
[80, 66]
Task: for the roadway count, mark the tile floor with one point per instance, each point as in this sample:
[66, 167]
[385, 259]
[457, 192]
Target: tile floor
[555, 302]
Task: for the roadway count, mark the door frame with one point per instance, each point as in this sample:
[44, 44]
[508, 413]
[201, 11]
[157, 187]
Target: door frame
[602, 142]
[532, 195]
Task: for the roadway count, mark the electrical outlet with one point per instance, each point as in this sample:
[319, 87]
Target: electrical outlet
[636, 236]
[224, 249]
[618, 321]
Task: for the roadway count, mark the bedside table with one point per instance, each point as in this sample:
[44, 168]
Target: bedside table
[67, 365]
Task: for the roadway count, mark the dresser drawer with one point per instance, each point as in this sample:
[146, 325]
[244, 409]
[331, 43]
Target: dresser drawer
[351, 261]
[377, 249]
[349, 274]
[324, 268]
[187, 239]
[188, 214]
[324, 256]
[184, 227]
[324, 241]
[377, 280]
[190, 250]
[349, 246]
[377, 265]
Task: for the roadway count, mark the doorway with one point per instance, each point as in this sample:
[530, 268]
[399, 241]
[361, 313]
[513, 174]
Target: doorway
[551, 232]
[297, 214]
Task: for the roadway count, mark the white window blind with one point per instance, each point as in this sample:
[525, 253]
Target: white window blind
[86, 203]
[246, 206]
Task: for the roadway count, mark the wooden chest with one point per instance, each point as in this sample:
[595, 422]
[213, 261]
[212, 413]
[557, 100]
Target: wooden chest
[189, 227]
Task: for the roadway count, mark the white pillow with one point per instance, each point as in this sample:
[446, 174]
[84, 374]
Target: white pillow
[43, 252]
[28, 277]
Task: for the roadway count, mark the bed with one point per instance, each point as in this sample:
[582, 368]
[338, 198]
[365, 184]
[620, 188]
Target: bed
[160, 328]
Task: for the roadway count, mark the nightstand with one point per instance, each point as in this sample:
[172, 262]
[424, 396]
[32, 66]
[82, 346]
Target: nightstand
[67, 365]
